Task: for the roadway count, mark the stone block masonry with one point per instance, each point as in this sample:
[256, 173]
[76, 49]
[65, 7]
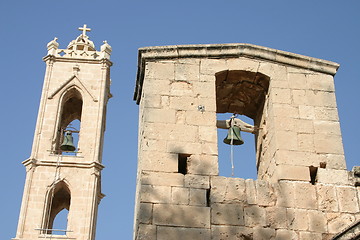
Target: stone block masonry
[274, 210]
[303, 190]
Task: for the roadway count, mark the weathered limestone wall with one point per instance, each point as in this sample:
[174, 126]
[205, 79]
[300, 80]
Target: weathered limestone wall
[283, 210]
[83, 184]
[173, 205]
[89, 78]
[303, 191]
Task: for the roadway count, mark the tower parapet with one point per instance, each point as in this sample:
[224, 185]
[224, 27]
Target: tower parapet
[82, 47]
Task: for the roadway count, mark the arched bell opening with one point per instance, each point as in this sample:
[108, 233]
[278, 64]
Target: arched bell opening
[239, 95]
[57, 209]
[68, 132]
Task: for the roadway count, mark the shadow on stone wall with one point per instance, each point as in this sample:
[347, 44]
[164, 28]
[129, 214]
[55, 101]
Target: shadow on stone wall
[203, 206]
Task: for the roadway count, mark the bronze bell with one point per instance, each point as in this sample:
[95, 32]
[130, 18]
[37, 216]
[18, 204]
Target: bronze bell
[234, 135]
[68, 145]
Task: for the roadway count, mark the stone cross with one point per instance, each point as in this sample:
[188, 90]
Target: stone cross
[84, 30]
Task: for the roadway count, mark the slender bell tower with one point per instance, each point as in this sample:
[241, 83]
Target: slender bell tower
[63, 173]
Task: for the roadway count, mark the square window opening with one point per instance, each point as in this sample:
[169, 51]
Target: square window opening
[183, 163]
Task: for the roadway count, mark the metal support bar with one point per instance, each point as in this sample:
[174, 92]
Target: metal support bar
[53, 230]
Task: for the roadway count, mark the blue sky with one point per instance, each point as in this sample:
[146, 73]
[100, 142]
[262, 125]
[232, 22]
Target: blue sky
[323, 29]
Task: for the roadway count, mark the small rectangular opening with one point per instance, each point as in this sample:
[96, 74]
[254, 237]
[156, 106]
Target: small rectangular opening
[208, 197]
[313, 172]
[182, 163]
[322, 164]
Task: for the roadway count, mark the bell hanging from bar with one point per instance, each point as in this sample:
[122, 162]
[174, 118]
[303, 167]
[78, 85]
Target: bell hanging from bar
[234, 135]
[68, 145]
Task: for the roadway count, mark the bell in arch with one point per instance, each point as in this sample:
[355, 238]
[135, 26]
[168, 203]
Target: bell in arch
[233, 137]
[68, 145]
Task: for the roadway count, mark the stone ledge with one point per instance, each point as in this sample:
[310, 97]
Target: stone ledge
[351, 232]
[47, 163]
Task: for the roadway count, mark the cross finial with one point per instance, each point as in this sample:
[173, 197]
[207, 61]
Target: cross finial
[84, 30]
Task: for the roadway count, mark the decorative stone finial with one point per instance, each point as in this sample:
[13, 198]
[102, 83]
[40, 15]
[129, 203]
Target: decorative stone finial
[105, 50]
[52, 46]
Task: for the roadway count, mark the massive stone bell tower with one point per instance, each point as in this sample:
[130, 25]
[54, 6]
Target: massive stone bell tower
[303, 190]
[63, 172]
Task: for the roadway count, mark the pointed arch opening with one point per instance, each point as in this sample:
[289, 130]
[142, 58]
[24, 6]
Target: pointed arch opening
[57, 208]
[69, 122]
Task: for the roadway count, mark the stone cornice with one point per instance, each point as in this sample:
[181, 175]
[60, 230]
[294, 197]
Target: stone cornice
[96, 165]
[29, 161]
[77, 60]
[233, 50]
